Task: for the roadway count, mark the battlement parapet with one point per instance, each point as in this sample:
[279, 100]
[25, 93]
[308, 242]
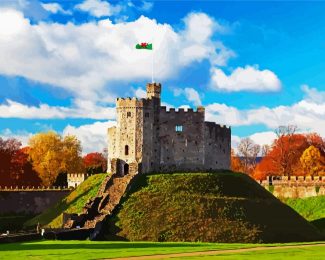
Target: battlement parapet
[123, 103]
[34, 188]
[163, 109]
[217, 126]
[77, 175]
[286, 181]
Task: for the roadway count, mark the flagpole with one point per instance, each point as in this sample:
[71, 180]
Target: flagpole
[152, 81]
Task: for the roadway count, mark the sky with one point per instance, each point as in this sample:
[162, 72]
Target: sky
[253, 65]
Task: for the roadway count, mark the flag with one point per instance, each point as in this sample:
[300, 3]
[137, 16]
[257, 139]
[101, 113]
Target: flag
[144, 46]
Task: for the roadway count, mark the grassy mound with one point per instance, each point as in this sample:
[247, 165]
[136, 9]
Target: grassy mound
[313, 209]
[73, 203]
[209, 207]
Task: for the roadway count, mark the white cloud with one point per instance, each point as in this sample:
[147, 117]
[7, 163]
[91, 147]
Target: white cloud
[307, 114]
[263, 138]
[249, 78]
[81, 109]
[146, 6]
[22, 136]
[93, 137]
[88, 59]
[98, 8]
[313, 95]
[140, 93]
[193, 96]
[190, 93]
[55, 8]
[260, 138]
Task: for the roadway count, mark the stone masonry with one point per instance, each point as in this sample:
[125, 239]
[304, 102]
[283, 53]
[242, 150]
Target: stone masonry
[150, 138]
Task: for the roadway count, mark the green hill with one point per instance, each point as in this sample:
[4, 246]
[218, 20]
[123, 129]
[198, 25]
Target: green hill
[313, 209]
[73, 203]
[209, 207]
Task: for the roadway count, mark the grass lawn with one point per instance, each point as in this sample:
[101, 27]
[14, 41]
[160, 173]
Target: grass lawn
[73, 203]
[314, 253]
[99, 250]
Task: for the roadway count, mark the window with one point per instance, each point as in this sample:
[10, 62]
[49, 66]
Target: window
[126, 150]
[146, 114]
[128, 114]
[179, 128]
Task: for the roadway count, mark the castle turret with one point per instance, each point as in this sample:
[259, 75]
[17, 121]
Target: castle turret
[153, 90]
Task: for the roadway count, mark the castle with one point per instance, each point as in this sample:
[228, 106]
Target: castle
[149, 138]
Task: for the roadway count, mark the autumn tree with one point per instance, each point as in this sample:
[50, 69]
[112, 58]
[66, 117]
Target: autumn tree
[248, 152]
[316, 140]
[51, 154]
[235, 163]
[8, 149]
[311, 161]
[95, 163]
[23, 173]
[283, 158]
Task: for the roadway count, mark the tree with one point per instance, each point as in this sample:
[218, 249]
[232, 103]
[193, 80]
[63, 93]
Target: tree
[24, 174]
[95, 163]
[235, 163]
[317, 141]
[265, 149]
[248, 151]
[52, 154]
[287, 149]
[283, 158]
[8, 149]
[312, 161]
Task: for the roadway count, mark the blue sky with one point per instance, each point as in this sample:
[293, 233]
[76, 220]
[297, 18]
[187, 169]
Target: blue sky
[253, 65]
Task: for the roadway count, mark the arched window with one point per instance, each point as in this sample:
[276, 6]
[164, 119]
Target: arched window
[126, 150]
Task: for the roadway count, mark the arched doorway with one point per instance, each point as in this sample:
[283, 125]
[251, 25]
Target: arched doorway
[126, 169]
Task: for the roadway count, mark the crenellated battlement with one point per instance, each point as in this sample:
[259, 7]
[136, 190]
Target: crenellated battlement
[163, 109]
[217, 126]
[132, 102]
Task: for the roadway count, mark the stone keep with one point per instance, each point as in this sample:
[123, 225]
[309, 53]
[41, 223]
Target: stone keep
[149, 138]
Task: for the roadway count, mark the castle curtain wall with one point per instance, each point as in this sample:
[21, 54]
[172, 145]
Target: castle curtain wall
[182, 148]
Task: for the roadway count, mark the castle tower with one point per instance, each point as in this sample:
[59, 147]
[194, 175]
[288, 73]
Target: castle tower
[153, 90]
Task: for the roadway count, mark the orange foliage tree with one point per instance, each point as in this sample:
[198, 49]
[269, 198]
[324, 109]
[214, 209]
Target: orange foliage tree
[95, 163]
[15, 168]
[8, 150]
[283, 158]
[235, 163]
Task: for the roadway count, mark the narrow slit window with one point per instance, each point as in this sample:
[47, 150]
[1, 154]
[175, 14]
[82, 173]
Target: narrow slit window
[126, 150]
[179, 128]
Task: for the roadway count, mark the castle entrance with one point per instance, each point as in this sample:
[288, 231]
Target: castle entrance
[126, 169]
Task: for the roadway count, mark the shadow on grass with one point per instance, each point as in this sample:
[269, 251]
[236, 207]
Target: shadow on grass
[320, 224]
[52, 213]
[94, 245]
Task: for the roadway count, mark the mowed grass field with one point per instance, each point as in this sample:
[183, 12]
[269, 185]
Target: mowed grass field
[104, 250]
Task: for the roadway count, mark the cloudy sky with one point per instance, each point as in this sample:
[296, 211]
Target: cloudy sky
[253, 65]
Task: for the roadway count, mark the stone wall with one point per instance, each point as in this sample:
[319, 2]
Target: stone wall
[295, 186]
[217, 146]
[29, 202]
[181, 150]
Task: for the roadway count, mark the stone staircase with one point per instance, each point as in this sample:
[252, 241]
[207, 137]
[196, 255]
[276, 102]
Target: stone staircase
[108, 197]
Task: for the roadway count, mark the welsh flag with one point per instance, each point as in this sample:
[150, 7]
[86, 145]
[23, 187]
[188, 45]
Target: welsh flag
[144, 46]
